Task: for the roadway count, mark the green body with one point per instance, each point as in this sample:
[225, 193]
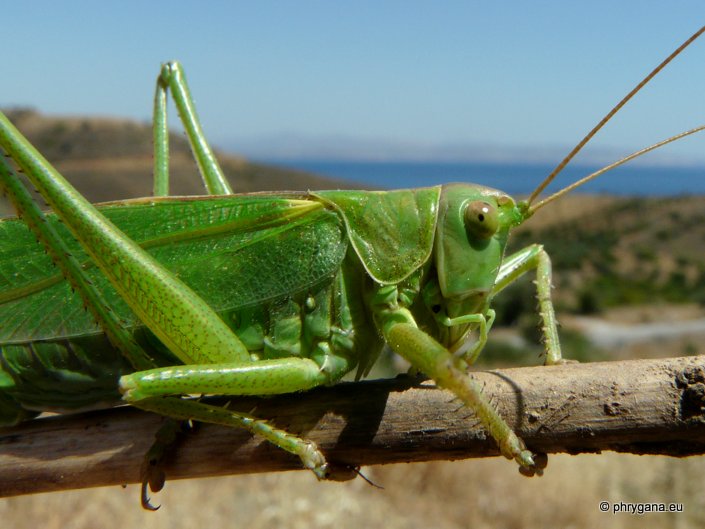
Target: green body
[290, 274]
[246, 294]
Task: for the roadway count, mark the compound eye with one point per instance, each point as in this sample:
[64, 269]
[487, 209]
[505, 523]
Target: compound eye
[481, 219]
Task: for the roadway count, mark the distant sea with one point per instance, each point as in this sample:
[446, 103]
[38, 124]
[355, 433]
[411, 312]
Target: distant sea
[513, 178]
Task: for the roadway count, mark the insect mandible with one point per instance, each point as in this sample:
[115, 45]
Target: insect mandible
[253, 294]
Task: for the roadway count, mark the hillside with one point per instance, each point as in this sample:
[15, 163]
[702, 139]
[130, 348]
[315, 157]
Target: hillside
[623, 251]
[628, 276]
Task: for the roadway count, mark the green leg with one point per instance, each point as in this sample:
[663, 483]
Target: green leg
[265, 377]
[182, 409]
[431, 358]
[516, 265]
[191, 410]
[484, 323]
[149, 391]
[171, 77]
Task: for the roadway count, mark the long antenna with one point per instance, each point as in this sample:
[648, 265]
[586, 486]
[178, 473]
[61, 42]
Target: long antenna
[609, 115]
[611, 166]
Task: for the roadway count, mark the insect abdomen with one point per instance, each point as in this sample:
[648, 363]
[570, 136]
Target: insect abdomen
[58, 375]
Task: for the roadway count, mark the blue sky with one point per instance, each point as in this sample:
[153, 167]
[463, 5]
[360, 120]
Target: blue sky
[522, 77]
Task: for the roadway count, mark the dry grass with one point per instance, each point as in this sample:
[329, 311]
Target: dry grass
[477, 494]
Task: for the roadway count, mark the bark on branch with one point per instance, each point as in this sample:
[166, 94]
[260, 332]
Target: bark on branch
[640, 406]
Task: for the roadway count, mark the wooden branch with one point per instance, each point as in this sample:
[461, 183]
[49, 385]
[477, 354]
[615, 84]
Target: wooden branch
[641, 406]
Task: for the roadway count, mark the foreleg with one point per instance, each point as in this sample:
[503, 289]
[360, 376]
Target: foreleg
[515, 266]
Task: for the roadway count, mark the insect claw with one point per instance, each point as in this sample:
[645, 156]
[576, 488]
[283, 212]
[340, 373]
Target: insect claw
[367, 480]
[344, 472]
[153, 476]
[146, 500]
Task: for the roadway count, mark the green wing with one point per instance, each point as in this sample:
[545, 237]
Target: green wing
[233, 251]
[391, 231]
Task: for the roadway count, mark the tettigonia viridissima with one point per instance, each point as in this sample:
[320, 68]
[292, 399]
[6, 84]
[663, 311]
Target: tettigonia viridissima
[253, 294]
